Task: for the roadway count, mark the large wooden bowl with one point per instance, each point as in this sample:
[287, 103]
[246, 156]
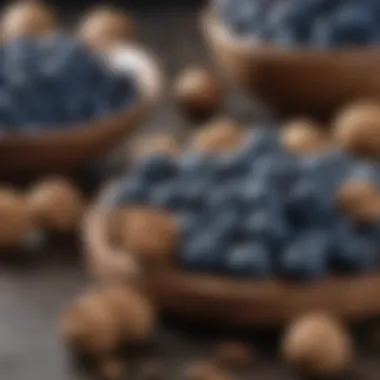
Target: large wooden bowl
[72, 147]
[241, 303]
[294, 81]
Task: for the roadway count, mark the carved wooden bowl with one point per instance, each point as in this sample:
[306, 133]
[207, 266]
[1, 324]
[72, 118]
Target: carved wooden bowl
[294, 81]
[227, 300]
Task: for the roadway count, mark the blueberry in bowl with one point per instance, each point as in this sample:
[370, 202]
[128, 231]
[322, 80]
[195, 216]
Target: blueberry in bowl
[62, 105]
[298, 56]
[258, 244]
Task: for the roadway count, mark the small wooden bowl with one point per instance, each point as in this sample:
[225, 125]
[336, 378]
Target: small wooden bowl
[294, 81]
[237, 302]
[66, 149]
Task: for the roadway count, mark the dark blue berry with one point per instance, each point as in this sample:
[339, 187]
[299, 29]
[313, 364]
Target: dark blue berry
[268, 226]
[277, 170]
[308, 256]
[309, 204]
[249, 259]
[131, 190]
[203, 253]
[353, 25]
[354, 249]
[157, 168]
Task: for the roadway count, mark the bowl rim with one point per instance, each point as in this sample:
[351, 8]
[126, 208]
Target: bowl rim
[239, 302]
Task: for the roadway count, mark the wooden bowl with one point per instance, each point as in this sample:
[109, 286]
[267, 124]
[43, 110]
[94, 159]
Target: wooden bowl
[294, 81]
[231, 301]
[66, 149]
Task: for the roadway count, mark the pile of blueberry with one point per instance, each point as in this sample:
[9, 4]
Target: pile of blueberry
[259, 211]
[56, 81]
[318, 23]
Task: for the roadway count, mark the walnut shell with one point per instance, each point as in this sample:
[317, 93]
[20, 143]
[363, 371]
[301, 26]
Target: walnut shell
[135, 314]
[157, 143]
[27, 18]
[357, 128]
[151, 235]
[304, 137]
[318, 345]
[104, 26]
[57, 205]
[360, 201]
[220, 136]
[89, 326]
[197, 92]
[15, 219]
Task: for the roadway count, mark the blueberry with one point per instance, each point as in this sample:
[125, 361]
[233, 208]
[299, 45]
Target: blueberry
[204, 252]
[249, 259]
[5, 104]
[20, 61]
[329, 169]
[226, 224]
[322, 33]
[364, 171]
[243, 16]
[268, 226]
[317, 8]
[178, 196]
[72, 62]
[255, 192]
[166, 195]
[76, 104]
[282, 12]
[278, 170]
[194, 164]
[308, 256]
[353, 25]
[353, 249]
[290, 23]
[14, 115]
[225, 196]
[190, 225]
[262, 140]
[157, 168]
[309, 204]
[131, 190]
[232, 166]
[192, 194]
[118, 90]
[2, 68]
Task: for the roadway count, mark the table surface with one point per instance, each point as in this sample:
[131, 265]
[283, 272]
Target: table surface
[32, 296]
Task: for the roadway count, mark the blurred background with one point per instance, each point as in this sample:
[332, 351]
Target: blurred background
[33, 296]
